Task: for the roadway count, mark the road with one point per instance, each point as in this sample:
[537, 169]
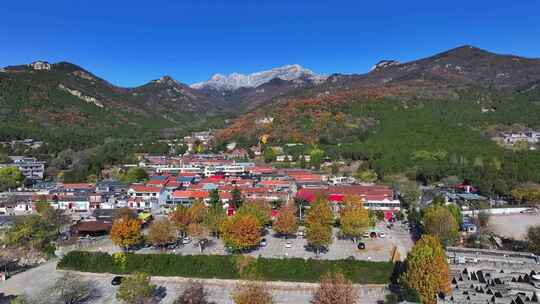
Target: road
[43, 277]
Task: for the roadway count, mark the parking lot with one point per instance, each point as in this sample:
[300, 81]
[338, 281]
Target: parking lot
[377, 249]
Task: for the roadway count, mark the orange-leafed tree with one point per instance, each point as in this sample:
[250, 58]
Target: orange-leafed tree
[181, 218]
[161, 232]
[126, 232]
[286, 222]
[251, 293]
[241, 231]
[427, 270]
[335, 289]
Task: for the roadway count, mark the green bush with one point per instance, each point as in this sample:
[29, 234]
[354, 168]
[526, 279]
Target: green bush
[224, 267]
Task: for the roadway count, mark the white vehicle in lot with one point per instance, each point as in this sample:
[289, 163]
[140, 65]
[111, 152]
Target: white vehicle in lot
[288, 244]
[382, 234]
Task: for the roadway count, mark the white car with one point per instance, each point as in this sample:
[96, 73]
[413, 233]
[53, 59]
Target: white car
[382, 234]
[288, 244]
[186, 240]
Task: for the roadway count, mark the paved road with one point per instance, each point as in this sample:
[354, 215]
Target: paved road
[36, 281]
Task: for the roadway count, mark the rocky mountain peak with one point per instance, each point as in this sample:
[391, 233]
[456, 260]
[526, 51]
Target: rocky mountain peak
[40, 65]
[384, 64]
[235, 81]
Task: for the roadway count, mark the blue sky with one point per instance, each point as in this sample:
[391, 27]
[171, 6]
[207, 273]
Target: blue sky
[132, 42]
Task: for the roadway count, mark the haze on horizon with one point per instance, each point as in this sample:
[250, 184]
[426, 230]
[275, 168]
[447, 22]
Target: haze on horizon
[132, 42]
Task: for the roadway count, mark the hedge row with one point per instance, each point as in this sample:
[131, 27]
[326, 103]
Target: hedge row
[224, 267]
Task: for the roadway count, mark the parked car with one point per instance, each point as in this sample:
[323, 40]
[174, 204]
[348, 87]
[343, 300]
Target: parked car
[288, 244]
[263, 243]
[373, 235]
[186, 240]
[382, 234]
[117, 280]
[361, 246]
[301, 233]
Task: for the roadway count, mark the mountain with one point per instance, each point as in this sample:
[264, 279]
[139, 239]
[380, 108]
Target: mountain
[464, 74]
[60, 102]
[235, 81]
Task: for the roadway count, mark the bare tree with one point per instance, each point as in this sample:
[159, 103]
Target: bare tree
[195, 293]
[335, 289]
[72, 289]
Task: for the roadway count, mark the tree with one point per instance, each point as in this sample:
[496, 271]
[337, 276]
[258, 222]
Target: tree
[354, 218]
[197, 211]
[213, 219]
[136, 289]
[181, 218]
[134, 175]
[440, 222]
[10, 177]
[259, 209]
[241, 231]
[33, 232]
[316, 158]
[199, 233]
[286, 222]
[215, 200]
[456, 213]
[57, 218]
[533, 239]
[42, 204]
[427, 270]
[251, 293]
[335, 289]
[318, 224]
[161, 232]
[483, 219]
[72, 289]
[236, 198]
[126, 232]
[269, 155]
[367, 176]
[194, 293]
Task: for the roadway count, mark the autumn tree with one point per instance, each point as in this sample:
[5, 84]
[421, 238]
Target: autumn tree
[354, 218]
[181, 218]
[440, 222]
[427, 270]
[335, 289]
[260, 209]
[197, 211]
[318, 224]
[251, 293]
[286, 222]
[161, 232]
[214, 219]
[126, 232]
[136, 289]
[199, 233]
[241, 231]
[194, 293]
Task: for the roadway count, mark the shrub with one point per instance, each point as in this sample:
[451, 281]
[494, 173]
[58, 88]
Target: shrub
[226, 267]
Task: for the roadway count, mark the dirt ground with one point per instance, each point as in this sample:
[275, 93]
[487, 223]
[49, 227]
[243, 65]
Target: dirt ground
[514, 225]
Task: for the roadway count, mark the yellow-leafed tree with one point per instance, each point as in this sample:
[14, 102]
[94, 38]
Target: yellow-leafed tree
[126, 232]
[427, 270]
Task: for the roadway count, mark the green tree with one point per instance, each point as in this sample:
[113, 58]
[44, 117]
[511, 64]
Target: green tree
[10, 177]
[236, 198]
[427, 270]
[136, 289]
[533, 239]
[213, 220]
[134, 175]
[259, 209]
[32, 232]
[316, 158]
[318, 224]
[456, 212]
[440, 222]
[269, 155]
[367, 176]
[215, 200]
